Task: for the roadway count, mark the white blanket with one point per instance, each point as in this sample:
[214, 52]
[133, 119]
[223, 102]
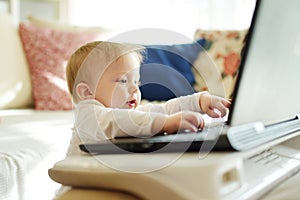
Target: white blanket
[30, 143]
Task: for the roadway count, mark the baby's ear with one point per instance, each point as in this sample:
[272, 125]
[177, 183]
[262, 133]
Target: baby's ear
[83, 91]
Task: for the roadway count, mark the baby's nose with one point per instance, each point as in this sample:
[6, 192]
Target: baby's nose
[133, 88]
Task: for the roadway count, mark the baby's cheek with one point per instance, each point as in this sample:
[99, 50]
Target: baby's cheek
[139, 98]
[119, 98]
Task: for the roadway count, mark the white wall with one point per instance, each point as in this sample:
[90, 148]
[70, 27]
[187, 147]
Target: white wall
[182, 16]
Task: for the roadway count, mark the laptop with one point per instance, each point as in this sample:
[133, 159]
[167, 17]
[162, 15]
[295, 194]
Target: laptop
[266, 99]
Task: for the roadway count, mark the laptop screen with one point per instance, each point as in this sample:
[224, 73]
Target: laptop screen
[268, 88]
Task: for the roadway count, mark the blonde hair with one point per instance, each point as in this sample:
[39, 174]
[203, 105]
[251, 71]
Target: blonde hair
[94, 58]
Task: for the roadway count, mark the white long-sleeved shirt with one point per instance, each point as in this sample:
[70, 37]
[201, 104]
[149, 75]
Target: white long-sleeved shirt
[95, 122]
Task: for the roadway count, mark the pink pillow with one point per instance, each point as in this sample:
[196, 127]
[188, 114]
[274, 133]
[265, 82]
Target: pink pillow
[47, 51]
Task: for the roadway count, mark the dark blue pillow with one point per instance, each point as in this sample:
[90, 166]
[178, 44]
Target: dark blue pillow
[167, 70]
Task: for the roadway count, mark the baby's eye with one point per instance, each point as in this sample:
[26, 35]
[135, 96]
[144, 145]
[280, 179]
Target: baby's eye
[123, 81]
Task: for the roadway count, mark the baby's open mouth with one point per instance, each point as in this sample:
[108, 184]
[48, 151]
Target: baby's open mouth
[132, 103]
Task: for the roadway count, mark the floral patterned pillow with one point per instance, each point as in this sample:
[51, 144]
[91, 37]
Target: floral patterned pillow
[218, 68]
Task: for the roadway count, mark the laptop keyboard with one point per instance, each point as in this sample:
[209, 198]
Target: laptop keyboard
[208, 133]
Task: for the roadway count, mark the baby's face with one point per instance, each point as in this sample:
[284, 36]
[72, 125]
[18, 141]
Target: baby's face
[118, 87]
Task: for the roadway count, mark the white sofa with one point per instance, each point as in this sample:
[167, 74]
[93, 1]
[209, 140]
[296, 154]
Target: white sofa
[32, 140]
[30, 143]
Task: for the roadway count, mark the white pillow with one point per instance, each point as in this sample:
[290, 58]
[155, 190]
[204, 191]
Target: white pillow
[15, 84]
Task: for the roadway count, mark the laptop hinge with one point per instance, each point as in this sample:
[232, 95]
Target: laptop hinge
[248, 136]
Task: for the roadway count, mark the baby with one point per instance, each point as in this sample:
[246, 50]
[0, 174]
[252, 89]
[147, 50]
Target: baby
[103, 79]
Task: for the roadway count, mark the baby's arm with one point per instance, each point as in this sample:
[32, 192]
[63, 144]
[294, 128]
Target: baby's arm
[122, 122]
[185, 120]
[201, 102]
[189, 102]
[95, 122]
[183, 113]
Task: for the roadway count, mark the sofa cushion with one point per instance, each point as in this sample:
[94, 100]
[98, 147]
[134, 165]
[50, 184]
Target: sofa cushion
[216, 71]
[15, 87]
[167, 70]
[47, 51]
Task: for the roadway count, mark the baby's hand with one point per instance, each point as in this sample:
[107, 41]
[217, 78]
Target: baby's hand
[208, 103]
[185, 120]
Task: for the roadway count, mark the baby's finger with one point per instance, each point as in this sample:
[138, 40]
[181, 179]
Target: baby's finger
[186, 125]
[221, 108]
[212, 113]
[202, 123]
[226, 102]
[193, 117]
[197, 120]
